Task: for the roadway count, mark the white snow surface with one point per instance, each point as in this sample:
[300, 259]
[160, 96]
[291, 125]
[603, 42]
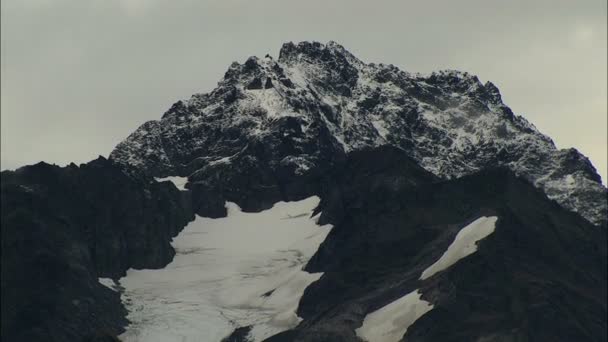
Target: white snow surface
[463, 245]
[179, 182]
[389, 323]
[244, 269]
[107, 282]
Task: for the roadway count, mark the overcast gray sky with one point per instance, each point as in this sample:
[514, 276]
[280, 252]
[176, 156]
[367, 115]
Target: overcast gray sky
[79, 75]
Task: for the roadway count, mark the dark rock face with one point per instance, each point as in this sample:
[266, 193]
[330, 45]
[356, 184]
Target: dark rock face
[389, 229]
[62, 228]
[238, 335]
[255, 84]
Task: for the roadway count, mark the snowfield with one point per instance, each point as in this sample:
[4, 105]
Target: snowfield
[390, 322]
[463, 245]
[241, 270]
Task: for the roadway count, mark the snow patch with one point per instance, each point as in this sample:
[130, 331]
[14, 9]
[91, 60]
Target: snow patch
[243, 269]
[297, 76]
[269, 100]
[107, 282]
[179, 182]
[463, 245]
[380, 127]
[389, 323]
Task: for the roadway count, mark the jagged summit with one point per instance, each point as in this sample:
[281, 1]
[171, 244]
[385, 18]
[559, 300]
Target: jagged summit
[295, 116]
[291, 52]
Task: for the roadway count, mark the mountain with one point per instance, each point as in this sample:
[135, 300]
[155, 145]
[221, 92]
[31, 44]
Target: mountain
[540, 275]
[313, 198]
[294, 116]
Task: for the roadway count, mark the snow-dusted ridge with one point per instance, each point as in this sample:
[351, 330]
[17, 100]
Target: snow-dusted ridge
[316, 100]
[241, 270]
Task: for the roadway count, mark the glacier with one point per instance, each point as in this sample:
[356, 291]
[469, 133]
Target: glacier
[243, 270]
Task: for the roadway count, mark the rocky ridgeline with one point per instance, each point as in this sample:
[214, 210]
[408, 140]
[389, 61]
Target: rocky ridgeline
[292, 118]
[62, 229]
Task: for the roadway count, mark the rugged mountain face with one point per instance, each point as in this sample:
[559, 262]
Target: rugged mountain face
[293, 118]
[62, 228]
[390, 226]
[403, 164]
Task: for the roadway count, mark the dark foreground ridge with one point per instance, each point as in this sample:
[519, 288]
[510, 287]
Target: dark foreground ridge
[540, 276]
[62, 228]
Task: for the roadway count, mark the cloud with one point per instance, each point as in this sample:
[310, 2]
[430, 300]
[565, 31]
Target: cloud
[582, 36]
[136, 7]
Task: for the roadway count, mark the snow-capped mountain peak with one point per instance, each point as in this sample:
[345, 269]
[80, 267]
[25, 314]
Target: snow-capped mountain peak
[295, 115]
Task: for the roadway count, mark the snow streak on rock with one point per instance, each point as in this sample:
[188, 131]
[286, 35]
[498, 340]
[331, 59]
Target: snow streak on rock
[463, 245]
[241, 270]
[389, 323]
[179, 182]
[107, 282]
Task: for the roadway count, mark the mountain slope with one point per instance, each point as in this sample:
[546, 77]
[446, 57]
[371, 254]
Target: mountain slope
[62, 228]
[540, 275]
[296, 115]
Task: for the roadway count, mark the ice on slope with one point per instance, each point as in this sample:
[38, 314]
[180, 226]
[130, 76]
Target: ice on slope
[244, 269]
[389, 323]
[107, 282]
[463, 245]
[179, 182]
